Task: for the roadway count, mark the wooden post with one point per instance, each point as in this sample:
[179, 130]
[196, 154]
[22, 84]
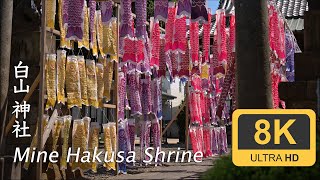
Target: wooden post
[173, 119]
[161, 132]
[186, 139]
[318, 93]
[41, 85]
[116, 81]
[253, 58]
[6, 11]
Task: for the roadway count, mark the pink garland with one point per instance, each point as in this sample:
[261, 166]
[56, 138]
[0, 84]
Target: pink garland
[194, 42]
[232, 39]
[282, 40]
[172, 10]
[226, 86]
[155, 51]
[207, 142]
[180, 39]
[206, 38]
[221, 35]
[133, 51]
[216, 66]
[175, 64]
[162, 62]
[183, 69]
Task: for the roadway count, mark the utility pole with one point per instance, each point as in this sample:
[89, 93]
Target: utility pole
[252, 55]
[6, 10]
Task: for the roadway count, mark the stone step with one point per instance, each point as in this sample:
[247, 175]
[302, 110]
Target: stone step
[298, 91]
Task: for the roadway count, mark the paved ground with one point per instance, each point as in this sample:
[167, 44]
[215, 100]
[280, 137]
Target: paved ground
[190, 170]
[170, 170]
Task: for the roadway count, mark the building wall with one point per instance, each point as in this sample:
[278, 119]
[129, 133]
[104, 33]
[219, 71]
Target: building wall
[176, 88]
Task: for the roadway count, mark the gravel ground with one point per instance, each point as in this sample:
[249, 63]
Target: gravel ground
[169, 170]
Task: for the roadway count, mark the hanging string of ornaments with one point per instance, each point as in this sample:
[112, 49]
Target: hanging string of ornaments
[178, 53]
[187, 49]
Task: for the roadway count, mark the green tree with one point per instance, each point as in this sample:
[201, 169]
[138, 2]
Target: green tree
[150, 9]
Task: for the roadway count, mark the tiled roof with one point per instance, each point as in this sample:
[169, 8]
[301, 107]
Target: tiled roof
[289, 8]
[293, 11]
[292, 8]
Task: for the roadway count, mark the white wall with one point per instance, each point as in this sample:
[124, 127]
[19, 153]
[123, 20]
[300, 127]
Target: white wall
[176, 89]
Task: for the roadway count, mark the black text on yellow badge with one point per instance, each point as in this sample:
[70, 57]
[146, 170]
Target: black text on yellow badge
[274, 137]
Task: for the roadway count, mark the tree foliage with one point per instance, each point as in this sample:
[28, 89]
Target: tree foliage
[150, 9]
[225, 169]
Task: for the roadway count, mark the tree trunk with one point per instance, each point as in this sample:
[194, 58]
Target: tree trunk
[6, 10]
[252, 53]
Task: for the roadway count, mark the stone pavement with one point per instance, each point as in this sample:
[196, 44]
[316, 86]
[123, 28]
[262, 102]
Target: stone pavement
[190, 170]
[169, 170]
